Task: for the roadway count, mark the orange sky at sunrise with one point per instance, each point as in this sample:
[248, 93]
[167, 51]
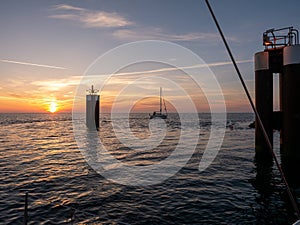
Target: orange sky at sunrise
[46, 48]
[56, 95]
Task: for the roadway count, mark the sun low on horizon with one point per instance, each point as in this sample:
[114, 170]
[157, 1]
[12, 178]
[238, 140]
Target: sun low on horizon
[53, 106]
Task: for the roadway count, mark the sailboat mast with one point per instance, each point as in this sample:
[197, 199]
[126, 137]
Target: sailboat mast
[160, 102]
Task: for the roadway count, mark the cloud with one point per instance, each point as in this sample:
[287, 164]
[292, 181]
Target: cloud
[68, 7]
[124, 28]
[91, 18]
[15, 95]
[157, 33]
[58, 83]
[32, 64]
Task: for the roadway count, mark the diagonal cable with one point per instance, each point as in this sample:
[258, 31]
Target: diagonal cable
[292, 199]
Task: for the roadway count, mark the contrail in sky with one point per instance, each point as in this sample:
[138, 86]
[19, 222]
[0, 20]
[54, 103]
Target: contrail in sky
[204, 65]
[32, 64]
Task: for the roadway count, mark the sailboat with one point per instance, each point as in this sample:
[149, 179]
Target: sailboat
[160, 114]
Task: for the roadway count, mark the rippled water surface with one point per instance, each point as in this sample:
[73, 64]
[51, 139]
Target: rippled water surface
[39, 155]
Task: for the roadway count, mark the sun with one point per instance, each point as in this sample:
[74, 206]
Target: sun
[53, 107]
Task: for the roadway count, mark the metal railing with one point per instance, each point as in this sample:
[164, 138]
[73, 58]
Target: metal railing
[276, 38]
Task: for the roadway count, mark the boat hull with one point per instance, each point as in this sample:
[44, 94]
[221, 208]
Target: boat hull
[161, 116]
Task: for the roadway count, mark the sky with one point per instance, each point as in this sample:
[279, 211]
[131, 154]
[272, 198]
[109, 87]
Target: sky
[47, 47]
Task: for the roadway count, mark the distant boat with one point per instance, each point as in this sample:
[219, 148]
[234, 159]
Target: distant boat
[160, 114]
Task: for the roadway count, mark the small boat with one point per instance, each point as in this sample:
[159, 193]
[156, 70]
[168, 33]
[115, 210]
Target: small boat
[160, 114]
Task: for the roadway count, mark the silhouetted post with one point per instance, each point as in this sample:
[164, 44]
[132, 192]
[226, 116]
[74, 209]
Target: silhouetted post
[291, 102]
[92, 109]
[26, 209]
[290, 149]
[281, 55]
[264, 103]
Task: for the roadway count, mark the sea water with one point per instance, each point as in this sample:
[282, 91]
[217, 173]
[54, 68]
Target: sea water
[39, 156]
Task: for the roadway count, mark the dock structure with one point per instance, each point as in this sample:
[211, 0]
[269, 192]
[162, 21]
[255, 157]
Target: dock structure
[92, 108]
[281, 56]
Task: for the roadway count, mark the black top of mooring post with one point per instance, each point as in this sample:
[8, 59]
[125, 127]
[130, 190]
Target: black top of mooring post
[278, 38]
